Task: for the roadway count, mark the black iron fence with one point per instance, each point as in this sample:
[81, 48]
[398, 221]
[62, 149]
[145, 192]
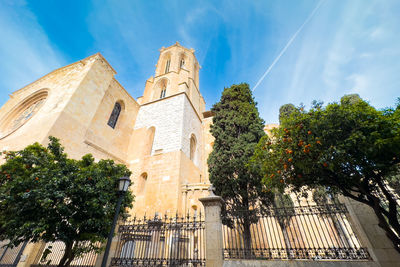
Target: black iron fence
[9, 257]
[165, 241]
[50, 254]
[304, 232]
[379, 193]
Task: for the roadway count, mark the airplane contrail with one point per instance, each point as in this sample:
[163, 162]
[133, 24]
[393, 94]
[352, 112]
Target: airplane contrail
[287, 45]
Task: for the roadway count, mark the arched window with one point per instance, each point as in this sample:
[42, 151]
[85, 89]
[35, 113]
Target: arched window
[160, 89]
[141, 183]
[182, 63]
[192, 147]
[167, 65]
[23, 112]
[163, 91]
[112, 121]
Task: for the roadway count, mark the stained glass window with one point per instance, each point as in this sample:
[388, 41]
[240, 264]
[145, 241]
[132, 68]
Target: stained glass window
[26, 115]
[112, 121]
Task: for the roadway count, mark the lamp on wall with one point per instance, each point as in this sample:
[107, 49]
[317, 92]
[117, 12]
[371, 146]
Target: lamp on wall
[123, 185]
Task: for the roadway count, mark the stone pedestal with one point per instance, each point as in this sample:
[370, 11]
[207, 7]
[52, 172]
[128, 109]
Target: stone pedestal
[212, 208]
[372, 236]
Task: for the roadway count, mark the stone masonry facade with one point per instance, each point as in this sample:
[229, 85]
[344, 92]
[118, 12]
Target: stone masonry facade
[163, 136]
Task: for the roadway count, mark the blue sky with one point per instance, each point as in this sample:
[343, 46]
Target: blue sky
[346, 46]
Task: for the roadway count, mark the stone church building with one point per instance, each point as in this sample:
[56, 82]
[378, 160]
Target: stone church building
[162, 137]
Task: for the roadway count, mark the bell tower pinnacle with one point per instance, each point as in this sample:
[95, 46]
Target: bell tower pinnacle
[177, 71]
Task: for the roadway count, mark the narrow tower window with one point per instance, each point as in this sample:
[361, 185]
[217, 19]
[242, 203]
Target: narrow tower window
[151, 132]
[163, 91]
[182, 65]
[112, 121]
[141, 183]
[192, 147]
[167, 65]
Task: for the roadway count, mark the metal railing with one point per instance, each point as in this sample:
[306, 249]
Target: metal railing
[165, 241]
[306, 232]
[50, 254]
[9, 257]
[379, 193]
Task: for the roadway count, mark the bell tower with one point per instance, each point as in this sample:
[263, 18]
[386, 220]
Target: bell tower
[167, 145]
[177, 71]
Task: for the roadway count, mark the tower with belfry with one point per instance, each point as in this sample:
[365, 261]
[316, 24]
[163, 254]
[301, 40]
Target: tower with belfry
[162, 137]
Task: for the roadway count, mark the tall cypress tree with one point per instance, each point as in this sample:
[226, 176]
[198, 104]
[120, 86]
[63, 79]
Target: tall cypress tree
[237, 128]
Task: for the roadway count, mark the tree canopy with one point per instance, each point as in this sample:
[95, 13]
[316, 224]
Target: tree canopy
[348, 147]
[237, 128]
[45, 196]
[285, 111]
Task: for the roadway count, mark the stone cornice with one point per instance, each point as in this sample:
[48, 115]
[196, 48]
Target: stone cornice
[170, 96]
[177, 44]
[78, 65]
[212, 201]
[195, 186]
[89, 143]
[124, 90]
[99, 56]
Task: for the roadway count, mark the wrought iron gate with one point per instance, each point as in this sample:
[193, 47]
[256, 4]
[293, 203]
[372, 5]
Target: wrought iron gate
[305, 232]
[50, 255]
[166, 241]
[9, 257]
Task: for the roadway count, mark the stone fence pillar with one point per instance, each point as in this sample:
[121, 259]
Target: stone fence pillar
[213, 227]
[366, 224]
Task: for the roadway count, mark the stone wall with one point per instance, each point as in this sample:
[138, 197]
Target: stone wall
[192, 125]
[60, 85]
[166, 115]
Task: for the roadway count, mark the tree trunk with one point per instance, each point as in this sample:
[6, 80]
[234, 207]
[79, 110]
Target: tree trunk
[247, 238]
[68, 255]
[69, 260]
[285, 237]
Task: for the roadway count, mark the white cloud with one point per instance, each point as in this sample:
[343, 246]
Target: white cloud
[26, 52]
[349, 47]
[377, 33]
[360, 83]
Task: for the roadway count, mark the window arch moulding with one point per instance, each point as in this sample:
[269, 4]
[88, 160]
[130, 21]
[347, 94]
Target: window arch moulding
[193, 147]
[160, 89]
[22, 112]
[141, 183]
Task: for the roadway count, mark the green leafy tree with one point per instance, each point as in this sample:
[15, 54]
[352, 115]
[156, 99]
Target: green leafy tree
[237, 128]
[45, 196]
[285, 111]
[349, 148]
